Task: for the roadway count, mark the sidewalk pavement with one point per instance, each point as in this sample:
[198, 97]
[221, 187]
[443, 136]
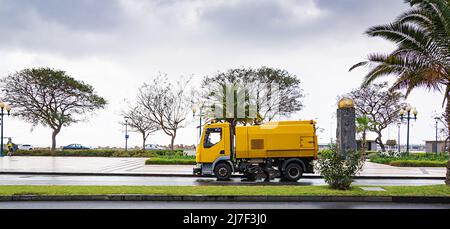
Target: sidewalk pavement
[130, 166]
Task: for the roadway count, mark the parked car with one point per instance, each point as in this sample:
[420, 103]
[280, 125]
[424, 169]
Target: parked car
[153, 147]
[75, 147]
[25, 147]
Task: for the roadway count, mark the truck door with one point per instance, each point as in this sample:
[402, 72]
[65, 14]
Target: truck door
[213, 144]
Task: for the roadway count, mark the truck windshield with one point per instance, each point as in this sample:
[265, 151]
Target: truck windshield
[212, 137]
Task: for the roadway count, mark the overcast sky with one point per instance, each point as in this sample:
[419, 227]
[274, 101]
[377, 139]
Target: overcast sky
[116, 45]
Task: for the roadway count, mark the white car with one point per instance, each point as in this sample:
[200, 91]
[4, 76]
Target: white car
[152, 147]
[25, 147]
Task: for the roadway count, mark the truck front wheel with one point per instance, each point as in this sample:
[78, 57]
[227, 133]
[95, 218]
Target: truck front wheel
[293, 172]
[223, 171]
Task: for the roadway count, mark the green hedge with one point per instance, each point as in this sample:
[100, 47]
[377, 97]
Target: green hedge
[99, 153]
[169, 161]
[412, 160]
[417, 163]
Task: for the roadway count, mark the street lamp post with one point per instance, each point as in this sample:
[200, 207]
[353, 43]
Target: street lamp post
[398, 137]
[408, 110]
[436, 143]
[194, 113]
[126, 135]
[3, 107]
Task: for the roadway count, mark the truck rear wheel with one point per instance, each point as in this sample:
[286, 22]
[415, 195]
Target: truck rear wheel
[293, 172]
[223, 171]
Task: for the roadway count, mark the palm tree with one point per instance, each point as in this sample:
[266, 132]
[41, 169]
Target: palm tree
[422, 57]
[363, 125]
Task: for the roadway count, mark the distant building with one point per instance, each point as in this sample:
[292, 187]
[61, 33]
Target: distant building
[417, 148]
[430, 146]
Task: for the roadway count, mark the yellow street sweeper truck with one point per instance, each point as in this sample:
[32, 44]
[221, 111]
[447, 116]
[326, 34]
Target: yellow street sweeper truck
[273, 150]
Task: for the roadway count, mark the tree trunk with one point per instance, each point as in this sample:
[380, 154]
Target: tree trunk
[380, 142]
[233, 124]
[447, 119]
[363, 145]
[144, 139]
[447, 180]
[54, 133]
[172, 141]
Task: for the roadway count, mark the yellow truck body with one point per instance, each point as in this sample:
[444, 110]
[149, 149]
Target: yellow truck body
[271, 147]
[276, 140]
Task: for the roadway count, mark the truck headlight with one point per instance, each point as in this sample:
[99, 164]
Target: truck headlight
[198, 166]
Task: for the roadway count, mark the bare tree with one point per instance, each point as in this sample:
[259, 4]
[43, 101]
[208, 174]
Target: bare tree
[139, 121]
[50, 97]
[380, 105]
[166, 104]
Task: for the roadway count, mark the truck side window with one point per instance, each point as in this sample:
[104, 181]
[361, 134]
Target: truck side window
[212, 137]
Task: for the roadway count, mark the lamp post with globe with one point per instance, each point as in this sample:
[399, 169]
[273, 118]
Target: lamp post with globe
[406, 113]
[3, 107]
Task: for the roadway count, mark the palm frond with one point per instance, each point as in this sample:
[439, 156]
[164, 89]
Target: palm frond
[415, 16]
[414, 79]
[380, 71]
[422, 57]
[405, 35]
[360, 64]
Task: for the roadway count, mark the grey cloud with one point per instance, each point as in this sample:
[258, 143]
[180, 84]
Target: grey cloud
[247, 18]
[68, 27]
[356, 15]
[253, 19]
[73, 14]
[85, 27]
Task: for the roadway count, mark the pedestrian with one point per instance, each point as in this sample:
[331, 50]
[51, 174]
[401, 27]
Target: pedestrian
[10, 146]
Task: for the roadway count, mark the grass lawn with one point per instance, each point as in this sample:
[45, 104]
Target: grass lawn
[433, 190]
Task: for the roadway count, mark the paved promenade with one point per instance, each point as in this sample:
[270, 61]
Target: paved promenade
[102, 165]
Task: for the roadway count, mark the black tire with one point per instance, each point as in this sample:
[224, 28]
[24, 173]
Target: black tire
[293, 172]
[223, 172]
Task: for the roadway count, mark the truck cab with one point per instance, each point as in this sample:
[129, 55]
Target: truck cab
[214, 147]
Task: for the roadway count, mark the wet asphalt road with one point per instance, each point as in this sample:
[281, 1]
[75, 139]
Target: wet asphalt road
[212, 205]
[185, 181]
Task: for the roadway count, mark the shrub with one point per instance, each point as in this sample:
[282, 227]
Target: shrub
[372, 155]
[338, 172]
[392, 154]
[324, 151]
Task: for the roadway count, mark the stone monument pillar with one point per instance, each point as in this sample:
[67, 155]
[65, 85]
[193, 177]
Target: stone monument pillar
[346, 127]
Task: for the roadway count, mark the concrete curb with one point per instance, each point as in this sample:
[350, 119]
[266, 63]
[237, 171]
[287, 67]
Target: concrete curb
[190, 175]
[207, 198]
[98, 174]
